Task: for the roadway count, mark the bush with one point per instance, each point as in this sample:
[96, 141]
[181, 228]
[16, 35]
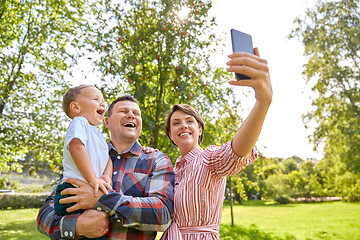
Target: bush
[282, 200]
[3, 181]
[16, 201]
[33, 188]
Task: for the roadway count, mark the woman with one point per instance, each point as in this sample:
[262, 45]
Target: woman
[200, 175]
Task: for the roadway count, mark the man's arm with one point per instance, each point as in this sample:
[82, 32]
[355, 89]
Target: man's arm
[152, 212]
[91, 223]
[53, 225]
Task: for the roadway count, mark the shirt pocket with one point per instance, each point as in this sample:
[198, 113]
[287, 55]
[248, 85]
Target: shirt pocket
[134, 184]
[205, 178]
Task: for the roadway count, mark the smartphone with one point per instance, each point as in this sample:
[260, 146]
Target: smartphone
[241, 42]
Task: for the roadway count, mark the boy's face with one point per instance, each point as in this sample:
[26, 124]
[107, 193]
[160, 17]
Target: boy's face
[89, 104]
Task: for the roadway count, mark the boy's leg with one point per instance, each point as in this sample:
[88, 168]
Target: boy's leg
[99, 238]
[60, 209]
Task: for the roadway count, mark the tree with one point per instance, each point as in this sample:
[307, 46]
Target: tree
[307, 168]
[162, 58]
[277, 188]
[268, 166]
[297, 183]
[147, 50]
[330, 34]
[289, 165]
[37, 45]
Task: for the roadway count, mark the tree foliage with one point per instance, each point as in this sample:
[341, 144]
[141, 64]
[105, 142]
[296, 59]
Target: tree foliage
[331, 37]
[143, 48]
[330, 34]
[37, 42]
[159, 52]
[147, 50]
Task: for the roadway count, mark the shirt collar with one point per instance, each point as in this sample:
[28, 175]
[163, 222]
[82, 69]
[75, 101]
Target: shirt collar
[182, 161]
[135, 149]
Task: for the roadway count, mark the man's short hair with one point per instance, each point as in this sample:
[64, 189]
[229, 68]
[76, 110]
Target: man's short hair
[119, 99]
[70, 96]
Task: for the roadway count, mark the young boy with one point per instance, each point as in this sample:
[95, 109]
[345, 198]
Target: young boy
[85, 154]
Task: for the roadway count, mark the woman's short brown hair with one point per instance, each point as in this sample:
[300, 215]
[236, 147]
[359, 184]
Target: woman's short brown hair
[188, 110]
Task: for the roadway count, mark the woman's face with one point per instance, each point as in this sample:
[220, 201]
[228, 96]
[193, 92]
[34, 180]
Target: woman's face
[184, 131]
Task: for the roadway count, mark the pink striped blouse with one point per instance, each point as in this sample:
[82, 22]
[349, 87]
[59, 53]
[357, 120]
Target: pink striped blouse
[200, 180]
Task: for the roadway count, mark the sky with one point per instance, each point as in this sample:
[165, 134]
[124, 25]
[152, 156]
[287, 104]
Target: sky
[269, 23]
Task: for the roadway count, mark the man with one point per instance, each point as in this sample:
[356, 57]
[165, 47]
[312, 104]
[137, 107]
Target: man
[142, 201]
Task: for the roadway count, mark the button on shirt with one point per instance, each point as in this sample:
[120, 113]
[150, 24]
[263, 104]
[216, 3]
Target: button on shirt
[140, 205]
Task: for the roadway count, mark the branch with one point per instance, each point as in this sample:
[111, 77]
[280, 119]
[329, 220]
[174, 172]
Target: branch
[3, 8]
[18, 63]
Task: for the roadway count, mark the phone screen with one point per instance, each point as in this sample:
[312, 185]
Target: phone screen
[241, 42]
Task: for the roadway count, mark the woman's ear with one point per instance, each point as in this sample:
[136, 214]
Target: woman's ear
[74, 107]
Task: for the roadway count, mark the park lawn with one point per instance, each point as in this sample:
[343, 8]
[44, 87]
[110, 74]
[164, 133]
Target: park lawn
[327, 220]
[19, 224]
[255, 220]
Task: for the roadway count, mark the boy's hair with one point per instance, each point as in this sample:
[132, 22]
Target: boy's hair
[70, 96]
[119, 99]
[188, 110]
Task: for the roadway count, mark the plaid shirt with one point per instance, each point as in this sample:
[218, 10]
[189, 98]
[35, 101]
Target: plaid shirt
[140, 205]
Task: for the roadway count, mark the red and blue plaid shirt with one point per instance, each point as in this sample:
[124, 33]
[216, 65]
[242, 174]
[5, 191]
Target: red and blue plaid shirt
[140, 205]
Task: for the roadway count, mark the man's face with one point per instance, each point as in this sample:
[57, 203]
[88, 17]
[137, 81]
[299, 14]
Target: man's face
[125, 122]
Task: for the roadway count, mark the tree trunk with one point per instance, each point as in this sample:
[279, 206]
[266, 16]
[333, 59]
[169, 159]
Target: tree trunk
[231, 203]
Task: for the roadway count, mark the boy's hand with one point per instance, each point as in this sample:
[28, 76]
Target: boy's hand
[97, 183]
[107, 179]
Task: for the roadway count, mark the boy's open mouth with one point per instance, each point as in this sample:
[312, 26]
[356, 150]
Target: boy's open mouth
[100, 112]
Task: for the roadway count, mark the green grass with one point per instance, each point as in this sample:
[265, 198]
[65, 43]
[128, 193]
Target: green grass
[19, 224]
[256, 221]
[329, 220]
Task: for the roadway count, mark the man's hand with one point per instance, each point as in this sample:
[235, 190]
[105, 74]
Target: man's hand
[83, 195]
[92, 224]
[149, 150]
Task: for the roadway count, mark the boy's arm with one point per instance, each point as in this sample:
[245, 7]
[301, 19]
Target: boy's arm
[108, 172]
[82, 160]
